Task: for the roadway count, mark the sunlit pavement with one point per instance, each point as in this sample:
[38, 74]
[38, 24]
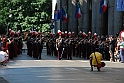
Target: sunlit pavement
[49, 69]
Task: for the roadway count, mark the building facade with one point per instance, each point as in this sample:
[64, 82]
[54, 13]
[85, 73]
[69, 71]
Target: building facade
[107, 23]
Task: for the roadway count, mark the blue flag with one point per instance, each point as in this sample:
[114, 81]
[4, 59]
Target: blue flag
[62, 14]
[52, 26]
[56, 15]
[122, 5]
[101, 6]
[119, 5]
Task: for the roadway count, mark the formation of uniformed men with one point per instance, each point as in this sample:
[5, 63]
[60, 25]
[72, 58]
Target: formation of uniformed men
[35, 43]
[12, 43]
[63, 45]
[66, 45]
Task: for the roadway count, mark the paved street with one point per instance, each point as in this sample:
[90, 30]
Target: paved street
[25, 69]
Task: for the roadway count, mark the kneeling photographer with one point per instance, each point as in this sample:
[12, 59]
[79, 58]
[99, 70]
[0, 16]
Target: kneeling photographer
[95, 59]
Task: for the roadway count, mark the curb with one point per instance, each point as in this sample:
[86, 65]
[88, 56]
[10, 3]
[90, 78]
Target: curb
[2, 80]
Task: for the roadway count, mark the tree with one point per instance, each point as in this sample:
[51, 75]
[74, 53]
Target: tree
[25, 13]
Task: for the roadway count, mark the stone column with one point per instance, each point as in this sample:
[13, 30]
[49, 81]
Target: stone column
[84, 23]
[111, 17]
[72, 21]
[57, 23]
[118, 20]
[94, 15]
[97, 18]
[64, 25]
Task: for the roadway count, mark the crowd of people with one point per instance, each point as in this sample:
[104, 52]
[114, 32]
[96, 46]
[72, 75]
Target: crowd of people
[63, 45]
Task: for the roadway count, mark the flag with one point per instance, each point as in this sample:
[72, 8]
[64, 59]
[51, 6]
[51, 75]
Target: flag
[119, 5]
[101, 6]
[104, 6]
[56, 15]
[78, 11]
[122, 6]
[63, 14]
[52, 26]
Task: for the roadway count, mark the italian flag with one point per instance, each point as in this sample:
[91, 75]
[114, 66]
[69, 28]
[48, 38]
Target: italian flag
[104, 6]
[78, 10]
[65, 16]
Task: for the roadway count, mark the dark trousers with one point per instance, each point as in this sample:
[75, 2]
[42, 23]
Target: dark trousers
[93, 65]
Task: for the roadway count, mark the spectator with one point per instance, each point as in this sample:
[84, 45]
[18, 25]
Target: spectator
[122, 50]
[3, 57]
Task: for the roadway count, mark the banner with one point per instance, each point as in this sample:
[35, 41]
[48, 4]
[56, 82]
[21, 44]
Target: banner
[119, 5]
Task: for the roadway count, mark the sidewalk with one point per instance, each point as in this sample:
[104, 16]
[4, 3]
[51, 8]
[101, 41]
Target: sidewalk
[2, 80]
[51, 70]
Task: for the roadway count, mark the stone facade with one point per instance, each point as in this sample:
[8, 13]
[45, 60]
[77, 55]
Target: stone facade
[72, 22]
[84, 21]
[64, 25]
[107, 23]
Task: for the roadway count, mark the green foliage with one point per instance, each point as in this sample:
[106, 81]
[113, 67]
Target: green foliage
[26, 13]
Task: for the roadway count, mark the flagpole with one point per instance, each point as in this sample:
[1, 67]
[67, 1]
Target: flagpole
[77, 20]
[77, 26]
[67, 21]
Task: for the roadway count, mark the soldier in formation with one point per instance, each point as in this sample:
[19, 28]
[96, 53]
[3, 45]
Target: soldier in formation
[62, 44]
[66, 45]
[35, 43]
[12, 43]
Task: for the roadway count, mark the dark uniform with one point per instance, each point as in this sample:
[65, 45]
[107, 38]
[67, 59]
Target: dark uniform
[69, 49]
[30, 47]
[40, 47]
[47, 45]
[11, 49]
[59, 46]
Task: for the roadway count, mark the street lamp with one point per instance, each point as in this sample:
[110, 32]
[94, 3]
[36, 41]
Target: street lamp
[10, 16]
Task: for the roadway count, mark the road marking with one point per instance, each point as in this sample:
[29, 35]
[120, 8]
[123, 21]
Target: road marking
[71, 68]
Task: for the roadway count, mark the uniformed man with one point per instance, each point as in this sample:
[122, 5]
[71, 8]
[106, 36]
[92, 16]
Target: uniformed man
[69, 47]
[73, 42]
[47, 43]
[51, 44]
[65, 45]
[40, 47]
[59, 45]
[11, 48]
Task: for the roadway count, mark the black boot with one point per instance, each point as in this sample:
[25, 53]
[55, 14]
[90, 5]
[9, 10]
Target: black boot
[91, 69]
[98, 69]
